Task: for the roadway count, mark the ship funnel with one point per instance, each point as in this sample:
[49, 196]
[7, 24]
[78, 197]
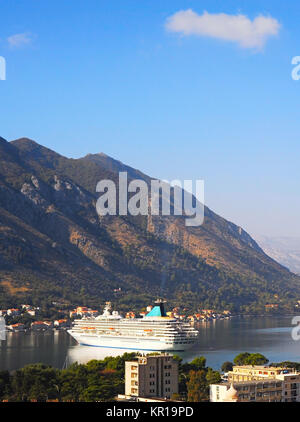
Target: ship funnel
[158, 310]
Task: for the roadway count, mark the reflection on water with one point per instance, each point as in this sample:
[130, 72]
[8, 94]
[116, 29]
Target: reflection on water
[48, 347]
[219, 341]
[84, 354]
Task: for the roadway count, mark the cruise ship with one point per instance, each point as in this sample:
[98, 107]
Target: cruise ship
[154, 332]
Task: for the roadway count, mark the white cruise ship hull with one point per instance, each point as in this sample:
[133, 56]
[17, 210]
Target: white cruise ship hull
[129, 343]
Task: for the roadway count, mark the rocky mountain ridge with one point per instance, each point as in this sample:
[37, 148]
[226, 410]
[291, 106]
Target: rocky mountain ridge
[54, 245]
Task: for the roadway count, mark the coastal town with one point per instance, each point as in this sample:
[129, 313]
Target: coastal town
[27, 317]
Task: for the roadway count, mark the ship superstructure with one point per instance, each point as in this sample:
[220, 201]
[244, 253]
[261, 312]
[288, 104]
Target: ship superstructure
[154, 332]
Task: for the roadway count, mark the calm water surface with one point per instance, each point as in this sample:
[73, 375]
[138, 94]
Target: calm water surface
[219, 341]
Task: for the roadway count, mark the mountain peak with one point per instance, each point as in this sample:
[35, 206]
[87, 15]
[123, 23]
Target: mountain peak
[34, 152]
[27, 144]
[26, 140]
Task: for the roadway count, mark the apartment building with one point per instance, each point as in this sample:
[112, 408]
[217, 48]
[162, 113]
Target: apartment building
[269, 390]
[291, 386]
[152, 376]
[259, 383]
[249, 373]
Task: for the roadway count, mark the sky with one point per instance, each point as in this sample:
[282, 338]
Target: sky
[178, 89]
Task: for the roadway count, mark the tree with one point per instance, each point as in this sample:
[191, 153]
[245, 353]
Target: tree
[177, 359]
[287, 364]
[197, 386]
[250, 359]
[227, 366]
[4, 384]
[257, 359]
[241, 359]
[213, 377]
[73, 382]
[35, 382]
[198, 363]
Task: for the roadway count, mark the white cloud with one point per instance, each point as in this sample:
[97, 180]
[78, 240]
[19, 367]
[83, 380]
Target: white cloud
[19, 40]
[234, 28]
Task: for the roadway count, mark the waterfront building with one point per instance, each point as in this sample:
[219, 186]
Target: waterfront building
[13, 312]
[268, 390]
[16, 327]
[257, 372]
[152, 377]
[271, 306]
[83, 312]
[26, 307]
[38, 325]
[291, 386]
[61, 323]
[48, 324]
[260, 383]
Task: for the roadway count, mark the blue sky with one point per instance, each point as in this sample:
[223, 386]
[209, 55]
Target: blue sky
[90, 76]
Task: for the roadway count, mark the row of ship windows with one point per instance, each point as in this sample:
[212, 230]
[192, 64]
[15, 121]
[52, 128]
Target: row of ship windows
[167, 334]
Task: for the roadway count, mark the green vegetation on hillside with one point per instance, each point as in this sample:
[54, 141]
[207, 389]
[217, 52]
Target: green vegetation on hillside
[53, 245]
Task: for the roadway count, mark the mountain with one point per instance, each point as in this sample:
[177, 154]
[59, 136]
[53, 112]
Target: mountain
[54, 246]
[285, 250]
